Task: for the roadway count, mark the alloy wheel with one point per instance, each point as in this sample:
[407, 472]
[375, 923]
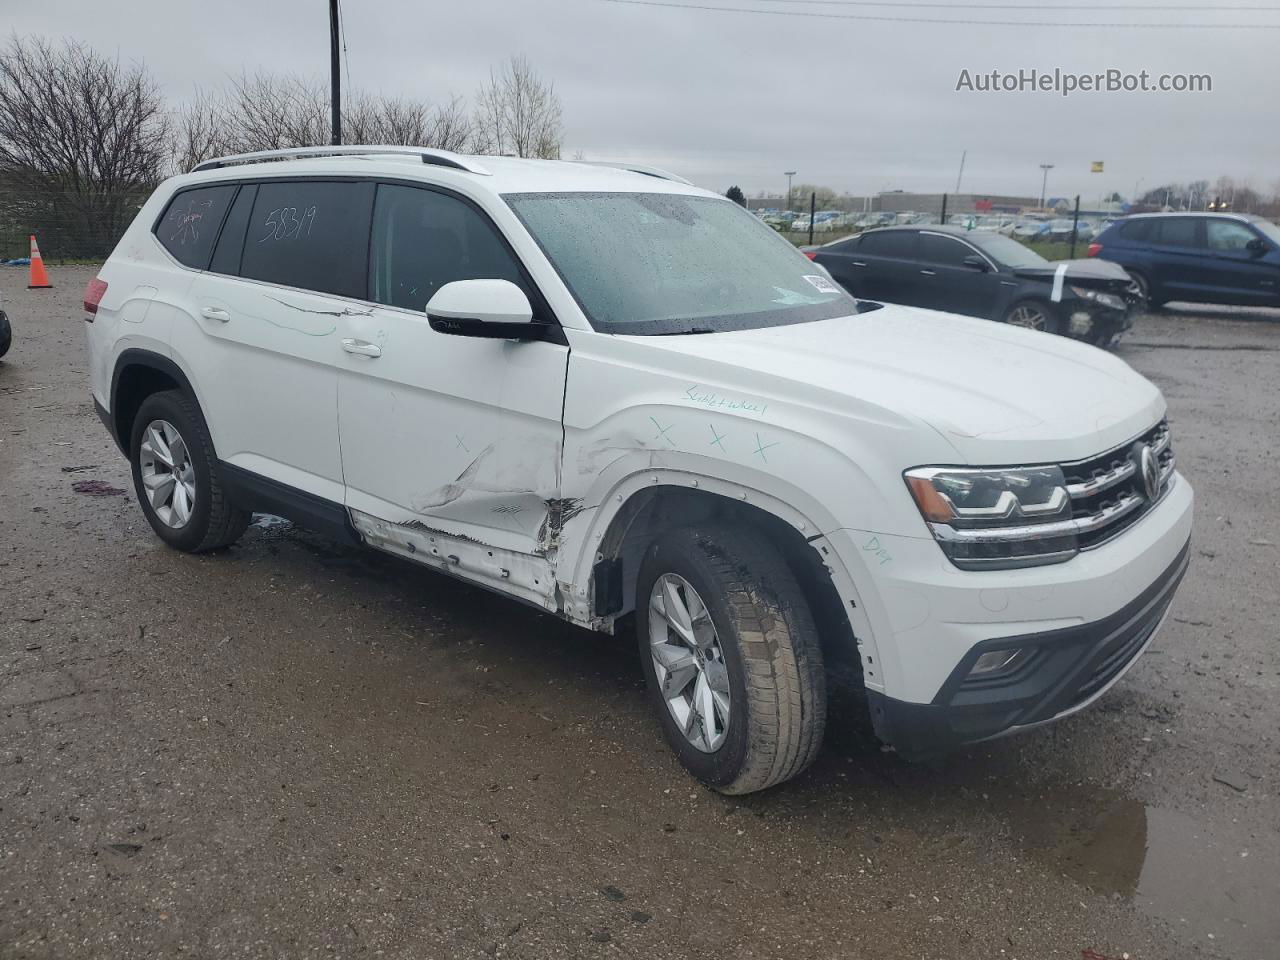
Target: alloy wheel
[689, 662]
[1029, 317]
[168, 475]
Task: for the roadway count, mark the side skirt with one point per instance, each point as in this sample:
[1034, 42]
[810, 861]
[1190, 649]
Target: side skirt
[521, 577]
[518, 575]
[252, 491]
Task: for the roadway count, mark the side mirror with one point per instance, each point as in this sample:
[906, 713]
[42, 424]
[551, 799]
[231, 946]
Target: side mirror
[496, 309]
[1257, 246]
[975, 262]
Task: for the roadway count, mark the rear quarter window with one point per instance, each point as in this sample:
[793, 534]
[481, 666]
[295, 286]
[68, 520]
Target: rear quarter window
[310, 234]
[189, 224]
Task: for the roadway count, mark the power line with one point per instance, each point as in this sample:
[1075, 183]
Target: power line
[1156, 8]
[947, 22]
[342, 29]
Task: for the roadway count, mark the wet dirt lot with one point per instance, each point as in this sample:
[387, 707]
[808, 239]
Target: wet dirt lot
[292, 749]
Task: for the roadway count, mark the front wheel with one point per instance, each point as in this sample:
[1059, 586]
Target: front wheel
[6, 333]
[1034, 315]
[731, 656]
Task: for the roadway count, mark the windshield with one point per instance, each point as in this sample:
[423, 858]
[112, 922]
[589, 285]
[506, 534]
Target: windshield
[1010, 252]
[657, 263]
[1268, 230]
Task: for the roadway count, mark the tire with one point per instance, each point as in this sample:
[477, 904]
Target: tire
[212, 521]
[763, 652]
[1145, 287]
[6, 334]
[1035, 315]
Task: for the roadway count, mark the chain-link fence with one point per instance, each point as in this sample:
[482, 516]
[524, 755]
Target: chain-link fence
[68, 226]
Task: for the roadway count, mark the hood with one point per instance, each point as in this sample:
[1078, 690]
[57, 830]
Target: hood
[998, 394]
[1090, 272]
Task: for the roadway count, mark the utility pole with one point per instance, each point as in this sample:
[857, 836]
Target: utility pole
[335, 75]
[1044, 181]
[789, 174]
[963, 154]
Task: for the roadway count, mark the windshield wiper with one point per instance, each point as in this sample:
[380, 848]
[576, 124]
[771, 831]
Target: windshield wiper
[681, 333]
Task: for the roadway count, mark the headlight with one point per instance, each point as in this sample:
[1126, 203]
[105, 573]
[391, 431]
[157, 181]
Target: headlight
[999, 518]
[1097, 296]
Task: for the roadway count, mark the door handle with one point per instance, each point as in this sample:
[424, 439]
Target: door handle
[361, 348]
[929, 273]
[215, 313]
[858, 263]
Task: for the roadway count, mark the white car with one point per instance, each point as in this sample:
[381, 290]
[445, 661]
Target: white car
[607, 393]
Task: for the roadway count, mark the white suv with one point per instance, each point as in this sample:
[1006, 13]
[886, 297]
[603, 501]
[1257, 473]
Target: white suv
[624, 400]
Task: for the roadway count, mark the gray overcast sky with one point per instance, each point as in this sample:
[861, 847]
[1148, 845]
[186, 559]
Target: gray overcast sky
[735, 98]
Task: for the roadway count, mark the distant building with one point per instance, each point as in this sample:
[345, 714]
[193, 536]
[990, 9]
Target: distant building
[898, 201]
[801, 203]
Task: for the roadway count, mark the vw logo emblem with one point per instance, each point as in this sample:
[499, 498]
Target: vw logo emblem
[1149, 470]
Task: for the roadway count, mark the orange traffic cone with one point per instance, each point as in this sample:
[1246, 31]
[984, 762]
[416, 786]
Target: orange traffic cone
[39, 276]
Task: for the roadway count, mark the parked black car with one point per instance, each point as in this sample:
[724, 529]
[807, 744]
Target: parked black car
[984, 275]
[1203, 257]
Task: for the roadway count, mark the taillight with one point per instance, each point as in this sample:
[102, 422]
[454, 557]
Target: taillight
[811, 254]
[94, 291]
[1095, 249]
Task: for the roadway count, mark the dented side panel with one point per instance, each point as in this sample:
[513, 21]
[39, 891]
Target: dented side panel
[455, 433]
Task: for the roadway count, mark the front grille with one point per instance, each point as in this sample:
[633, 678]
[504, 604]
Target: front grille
[1108, 493]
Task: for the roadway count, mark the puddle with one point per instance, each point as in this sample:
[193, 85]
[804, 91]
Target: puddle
[1201, 879]
[267, 521]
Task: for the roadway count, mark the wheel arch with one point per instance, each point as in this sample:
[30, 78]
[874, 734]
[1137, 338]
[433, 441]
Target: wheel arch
[138, 374]
[640, 515]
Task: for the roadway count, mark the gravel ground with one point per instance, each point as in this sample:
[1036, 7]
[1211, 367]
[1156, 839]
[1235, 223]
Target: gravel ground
[293, 749]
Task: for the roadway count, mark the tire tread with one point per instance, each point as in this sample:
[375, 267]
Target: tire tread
[784, 670]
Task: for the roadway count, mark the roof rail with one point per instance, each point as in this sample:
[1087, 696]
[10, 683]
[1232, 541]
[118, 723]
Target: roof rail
[439, 158]
[640, 168]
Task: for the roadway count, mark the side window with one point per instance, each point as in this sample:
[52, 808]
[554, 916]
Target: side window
[1138, 231]
[226, 256]
[1178, 232]
[890, 243]
[1227, 236]
[935, 248]
[842, 246]
[312, 234]
[190, 223]
[423, 239]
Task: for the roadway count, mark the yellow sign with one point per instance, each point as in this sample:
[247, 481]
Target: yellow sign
[1095, 167]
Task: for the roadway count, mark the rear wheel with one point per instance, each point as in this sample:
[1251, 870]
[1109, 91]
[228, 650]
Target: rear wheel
[732, 657]
[1034, 315]
[6, 334]
[175, 476]
[1144, 287]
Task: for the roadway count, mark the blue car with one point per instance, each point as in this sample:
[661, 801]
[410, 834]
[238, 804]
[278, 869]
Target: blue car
[1228, 258]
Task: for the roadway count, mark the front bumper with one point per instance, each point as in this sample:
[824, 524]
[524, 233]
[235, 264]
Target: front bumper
[1096, 324]
[1065, 671]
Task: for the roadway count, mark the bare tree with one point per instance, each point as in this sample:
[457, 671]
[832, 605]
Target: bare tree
[517, 112]
[275, 111]
[271, 112]
[82, 138]
[201, 129]
[449, 127]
